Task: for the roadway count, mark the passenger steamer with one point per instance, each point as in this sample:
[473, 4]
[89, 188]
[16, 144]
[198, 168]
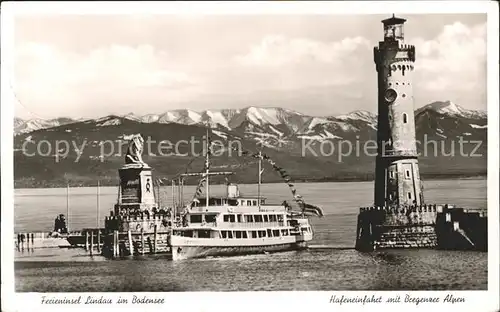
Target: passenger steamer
[236, 224]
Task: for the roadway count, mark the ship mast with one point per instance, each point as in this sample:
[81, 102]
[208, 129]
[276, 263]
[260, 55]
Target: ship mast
[260, 178]
[207, 164]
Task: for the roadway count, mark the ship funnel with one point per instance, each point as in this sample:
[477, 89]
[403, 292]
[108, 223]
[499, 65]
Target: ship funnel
[233, 191]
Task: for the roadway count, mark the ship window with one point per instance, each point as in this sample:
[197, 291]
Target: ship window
[226, 218]
[210, 218]
[258, 218]
[230, 234]
[276, 233]
[223, 234]
[266, 218]
[254, 234]
[232, 202]
[255, 203]
[203, 234]
[245, 234]
[405, 118]
[188, 233]
[272, 218]
[262, 233]
[238, 234]
[249, 203]
[280, 218]
[269, 233]
[284, 232]
[248, 218]
[195, 218]
[262, 201]
[239, 218]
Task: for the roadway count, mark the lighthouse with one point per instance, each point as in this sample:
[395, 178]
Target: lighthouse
[399, 217]
[397, 178]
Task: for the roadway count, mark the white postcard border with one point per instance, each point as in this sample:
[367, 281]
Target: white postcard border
[205, 301]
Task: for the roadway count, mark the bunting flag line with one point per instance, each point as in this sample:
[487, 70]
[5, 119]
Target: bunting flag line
[306, 208]
[312, 209]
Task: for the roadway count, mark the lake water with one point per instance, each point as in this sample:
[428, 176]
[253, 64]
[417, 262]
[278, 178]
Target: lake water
[338, 268]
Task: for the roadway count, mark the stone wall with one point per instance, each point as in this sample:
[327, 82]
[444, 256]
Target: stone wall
[397, 227]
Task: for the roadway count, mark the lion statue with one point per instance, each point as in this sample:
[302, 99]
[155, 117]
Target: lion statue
[135, 149]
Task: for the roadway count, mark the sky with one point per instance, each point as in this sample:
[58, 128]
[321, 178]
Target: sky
[88, 66]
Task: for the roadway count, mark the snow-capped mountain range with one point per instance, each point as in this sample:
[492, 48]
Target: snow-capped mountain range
[278, 122]
[282, 131]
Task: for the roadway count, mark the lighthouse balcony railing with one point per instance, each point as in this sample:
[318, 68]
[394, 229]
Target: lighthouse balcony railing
[392, 153]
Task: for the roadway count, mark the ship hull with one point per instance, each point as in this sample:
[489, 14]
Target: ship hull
[185, 248]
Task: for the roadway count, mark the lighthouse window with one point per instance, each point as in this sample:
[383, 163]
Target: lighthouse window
[409, 195]
[391, 174]
[405, 118]
[408, 174]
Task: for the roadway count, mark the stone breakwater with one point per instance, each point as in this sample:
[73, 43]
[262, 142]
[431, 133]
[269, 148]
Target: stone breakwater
[425, 226]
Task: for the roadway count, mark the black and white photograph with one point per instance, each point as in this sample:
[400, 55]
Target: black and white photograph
[169, 151]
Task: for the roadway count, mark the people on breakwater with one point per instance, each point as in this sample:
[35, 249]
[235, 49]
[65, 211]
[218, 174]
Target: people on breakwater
[60, 225]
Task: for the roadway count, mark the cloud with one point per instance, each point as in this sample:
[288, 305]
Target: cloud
[42, 66]
[278, 50]
[455, 60]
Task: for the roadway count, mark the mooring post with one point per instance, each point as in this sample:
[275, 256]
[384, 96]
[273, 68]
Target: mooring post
[86, 240]
[142, 241]
[99, 240]
[131, 243]
[91, 242]
[155, 239]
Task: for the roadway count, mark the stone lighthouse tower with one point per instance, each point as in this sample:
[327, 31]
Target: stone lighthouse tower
[397, 178]
[399, 217]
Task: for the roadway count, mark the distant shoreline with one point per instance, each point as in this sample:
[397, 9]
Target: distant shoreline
[299, 180]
